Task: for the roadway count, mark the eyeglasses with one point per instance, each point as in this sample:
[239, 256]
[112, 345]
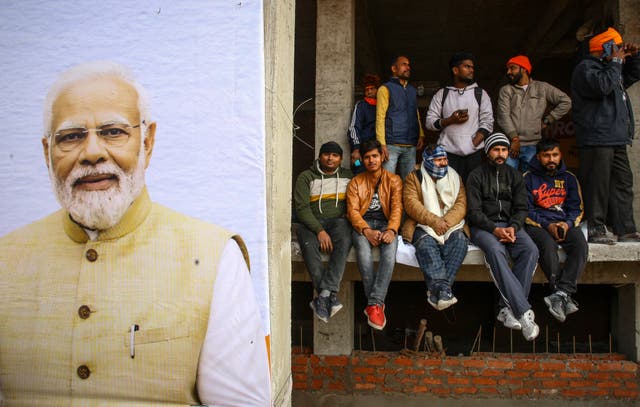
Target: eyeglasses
[113, 135]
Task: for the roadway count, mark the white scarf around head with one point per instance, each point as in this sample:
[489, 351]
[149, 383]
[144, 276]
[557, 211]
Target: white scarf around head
[447, 188]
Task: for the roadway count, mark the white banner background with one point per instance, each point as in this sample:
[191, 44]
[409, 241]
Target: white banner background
[202, 64]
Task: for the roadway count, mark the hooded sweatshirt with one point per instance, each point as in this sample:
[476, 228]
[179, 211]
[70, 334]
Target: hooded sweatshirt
[554, 198]
[320, 195]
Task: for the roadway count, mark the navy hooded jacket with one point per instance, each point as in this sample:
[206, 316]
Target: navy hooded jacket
[554, 198]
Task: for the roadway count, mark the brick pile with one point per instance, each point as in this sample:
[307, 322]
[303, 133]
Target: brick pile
[508, 376]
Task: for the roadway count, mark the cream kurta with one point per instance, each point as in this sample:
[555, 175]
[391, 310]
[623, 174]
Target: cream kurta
[155, 269]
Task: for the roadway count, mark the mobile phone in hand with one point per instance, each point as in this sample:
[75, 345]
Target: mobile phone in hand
[560, 232]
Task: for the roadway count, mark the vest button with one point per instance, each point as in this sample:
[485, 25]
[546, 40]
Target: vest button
[83, 372]
[91, 255]
[84, 312]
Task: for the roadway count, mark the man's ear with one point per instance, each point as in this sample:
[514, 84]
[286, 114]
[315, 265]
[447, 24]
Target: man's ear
[149, 140]
[455, 70]
[45, 150]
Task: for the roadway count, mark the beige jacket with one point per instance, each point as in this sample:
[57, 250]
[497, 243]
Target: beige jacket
[417, 213]
[521, 112]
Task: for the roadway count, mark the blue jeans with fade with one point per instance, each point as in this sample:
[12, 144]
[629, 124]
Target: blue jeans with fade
[329, 277]
[439, 263]
[522, 161]
[375, 283]
[402, 157]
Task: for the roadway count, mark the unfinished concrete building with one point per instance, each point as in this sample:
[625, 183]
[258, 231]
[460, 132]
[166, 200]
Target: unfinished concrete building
[593, 354]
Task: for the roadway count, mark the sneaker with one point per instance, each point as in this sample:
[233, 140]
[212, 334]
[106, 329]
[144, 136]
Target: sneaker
[334, 304]
[600, 235]
[320, 307]
[446, 298]
[375, 316]
[432, 299]
[557, 305]
[630, 238]
[571, 306]
[530, 329]
[508, 319]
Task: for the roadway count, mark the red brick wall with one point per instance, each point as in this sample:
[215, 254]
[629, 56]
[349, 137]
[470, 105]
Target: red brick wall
[486, 375]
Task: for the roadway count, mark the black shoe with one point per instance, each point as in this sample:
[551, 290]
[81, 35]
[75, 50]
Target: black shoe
[334, 305]
[445, 298]
[571, 306]
[603, 238]
[630, 238]
[320, 307]
[556, 303]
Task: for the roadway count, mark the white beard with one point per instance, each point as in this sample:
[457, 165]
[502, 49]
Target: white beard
[103, 209]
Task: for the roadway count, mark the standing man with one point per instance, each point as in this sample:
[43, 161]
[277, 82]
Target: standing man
[603, 117]
[115, 299]
[555, 212]
[398, 126]
[497, 208]
[363, 121]
[521, 110]
[463, 115]
[374, 207]
[436, 205]
[320, 207]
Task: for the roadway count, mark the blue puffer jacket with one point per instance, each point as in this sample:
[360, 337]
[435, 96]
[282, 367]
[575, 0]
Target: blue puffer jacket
[601, 107]
[401, 122]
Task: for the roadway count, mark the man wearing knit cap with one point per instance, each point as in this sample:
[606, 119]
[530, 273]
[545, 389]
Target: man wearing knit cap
[496, 210]
[363, 121]
[320, 207]
[521, 110]
[463, 115]
[603, 117]
[436, 204]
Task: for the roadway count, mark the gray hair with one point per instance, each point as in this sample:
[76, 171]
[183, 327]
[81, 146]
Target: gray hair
[95, 70]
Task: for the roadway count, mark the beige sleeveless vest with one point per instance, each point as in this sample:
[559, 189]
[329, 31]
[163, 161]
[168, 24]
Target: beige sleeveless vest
[68, 306]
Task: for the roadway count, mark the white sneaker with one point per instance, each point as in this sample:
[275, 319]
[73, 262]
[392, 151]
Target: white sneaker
[508, 319]
[530, 329]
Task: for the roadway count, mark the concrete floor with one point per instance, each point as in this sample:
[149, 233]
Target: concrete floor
[309, 399]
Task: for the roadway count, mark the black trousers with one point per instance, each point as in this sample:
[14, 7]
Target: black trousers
[577, 250]
[464, 164]
[607, 185]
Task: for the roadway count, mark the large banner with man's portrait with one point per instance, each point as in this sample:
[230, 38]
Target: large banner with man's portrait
[201, 63]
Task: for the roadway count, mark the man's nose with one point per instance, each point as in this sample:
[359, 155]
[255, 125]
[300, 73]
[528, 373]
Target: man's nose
[92, 150]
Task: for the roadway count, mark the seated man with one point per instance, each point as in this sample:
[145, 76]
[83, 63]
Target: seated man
[374, 207]
[436, 205]
[497, 208]
[115, 299]
[555, 212]
[320, 206]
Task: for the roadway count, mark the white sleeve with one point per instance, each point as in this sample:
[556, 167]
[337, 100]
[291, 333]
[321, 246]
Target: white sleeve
[234, 367]
[434, 112]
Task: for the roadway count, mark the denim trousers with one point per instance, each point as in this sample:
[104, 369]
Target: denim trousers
[404, 158]
[375, 283]
[513, 281]
[439, 263]
[522, 161]
[329, 277]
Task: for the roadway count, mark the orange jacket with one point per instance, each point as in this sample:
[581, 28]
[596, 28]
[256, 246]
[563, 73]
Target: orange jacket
[359, 194]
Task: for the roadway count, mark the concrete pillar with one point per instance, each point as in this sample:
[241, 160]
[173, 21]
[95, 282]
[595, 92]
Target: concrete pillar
[336, 336]
[626, 321]
[335, 61]
[279, 27]
[629, 24]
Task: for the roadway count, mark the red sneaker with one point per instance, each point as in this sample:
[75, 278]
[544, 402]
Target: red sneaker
[375, 316]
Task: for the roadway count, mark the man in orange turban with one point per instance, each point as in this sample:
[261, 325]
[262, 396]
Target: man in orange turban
[523, 113]
[603, 119]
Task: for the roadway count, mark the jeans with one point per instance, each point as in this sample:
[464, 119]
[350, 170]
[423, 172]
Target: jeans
[513, 282]
[522, 162]
[577, 250]
[439, 263]
[404, 158]
[375, 283]
[326, 278]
